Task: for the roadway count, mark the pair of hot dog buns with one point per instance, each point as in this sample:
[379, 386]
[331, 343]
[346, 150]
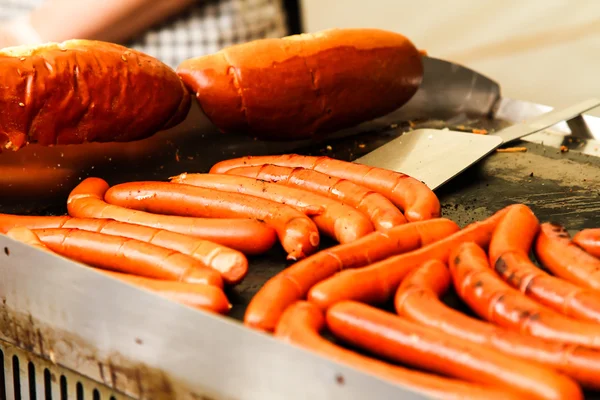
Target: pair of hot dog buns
[295, 87]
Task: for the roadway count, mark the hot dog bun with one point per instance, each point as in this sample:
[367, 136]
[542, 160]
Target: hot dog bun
[303, 85]
[85, 91]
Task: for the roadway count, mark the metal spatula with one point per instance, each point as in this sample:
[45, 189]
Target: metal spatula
[436, 156]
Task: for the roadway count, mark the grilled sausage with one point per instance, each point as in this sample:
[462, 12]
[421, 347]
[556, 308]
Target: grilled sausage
[246, 235]
[25, 235]
[509, 255]
[302, 323]
[298, 234]
[232, 264]
[293, 283]
[378, 282]
[412, 196]
[554, 249]
[403, 341]
[496, 301]
[298, 86]
[418, 299]
[382, 212]
[85, 91]
[203, 297]
[338, 221]
[589, 240]
[127, 255]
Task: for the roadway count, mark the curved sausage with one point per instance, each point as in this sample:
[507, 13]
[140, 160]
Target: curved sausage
[127, 255]
[382, 212]
[203, 297]
[509, 256]
[232, 264]
[418, 299]
[302, 322]
[589, 240]
[337, 220]
[297, 233]
[378, 282]
[403, 341]
[293, 283]
[412, 196]
[554, 249]
[496, 301]
[246, 235]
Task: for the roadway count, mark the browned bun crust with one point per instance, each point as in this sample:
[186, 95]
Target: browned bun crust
[303, 85]
[85, 91]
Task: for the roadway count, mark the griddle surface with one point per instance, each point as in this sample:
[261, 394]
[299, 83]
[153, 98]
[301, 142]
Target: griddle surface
[559, 187]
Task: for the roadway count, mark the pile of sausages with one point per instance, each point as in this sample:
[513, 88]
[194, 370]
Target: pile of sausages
[538, 331]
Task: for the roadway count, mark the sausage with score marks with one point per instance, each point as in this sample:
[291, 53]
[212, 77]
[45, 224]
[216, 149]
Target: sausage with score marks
[412, 196]
[382, 212]
[418, 299]
[555, 250]
[293, 283]
[127, 255]
[496, 301]
[205, 297]
[302, 322]
[339, 221]
[246, 235]
[232, 264]
[509, 256]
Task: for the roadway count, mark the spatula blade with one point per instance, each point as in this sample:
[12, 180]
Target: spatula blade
[430, 155]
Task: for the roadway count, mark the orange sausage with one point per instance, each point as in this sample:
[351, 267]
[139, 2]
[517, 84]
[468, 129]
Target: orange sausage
[25, 235]
[10, 221]
[403, 341]
[203, 297]
[414, 197]
[382, 212]
[246, 235]
[565, 259]
[418, 299]
[297, 233]
[589, 240]
[232, 264]
[496, 301]
[378, 282]
[509, 255]
[302, 323]
[294, 282]
[127, 255]
[340, 222]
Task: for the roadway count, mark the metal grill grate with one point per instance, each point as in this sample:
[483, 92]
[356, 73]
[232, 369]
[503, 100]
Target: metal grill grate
[26, 376]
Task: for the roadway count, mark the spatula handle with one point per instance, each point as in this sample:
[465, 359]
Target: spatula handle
[546, 120]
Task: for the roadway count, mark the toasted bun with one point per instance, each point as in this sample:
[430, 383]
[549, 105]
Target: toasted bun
[85, 91]
[303, 85]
